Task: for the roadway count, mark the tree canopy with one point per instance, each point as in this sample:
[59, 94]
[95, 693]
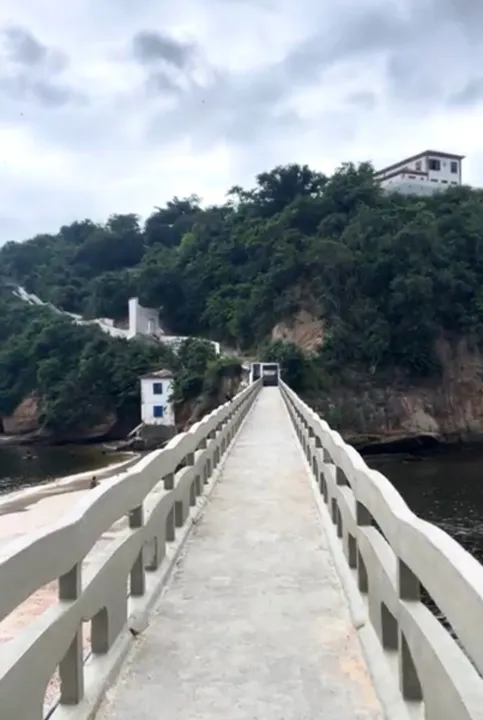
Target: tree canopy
[388, 274]
[79, 375]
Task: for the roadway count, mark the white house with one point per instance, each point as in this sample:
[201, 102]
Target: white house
[157, 407]
[422, 174]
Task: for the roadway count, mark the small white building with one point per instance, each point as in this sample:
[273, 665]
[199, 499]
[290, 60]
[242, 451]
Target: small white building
[143, 321]
[422, 174]
[157, 407]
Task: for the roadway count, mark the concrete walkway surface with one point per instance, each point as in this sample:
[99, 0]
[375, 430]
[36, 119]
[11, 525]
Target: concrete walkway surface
[254, 623]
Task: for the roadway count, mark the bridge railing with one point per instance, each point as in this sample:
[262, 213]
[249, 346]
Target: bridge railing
[155, 496]
[395, 555]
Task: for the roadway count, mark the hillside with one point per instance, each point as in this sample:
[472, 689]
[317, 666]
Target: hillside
[61, 381]
[390, 286]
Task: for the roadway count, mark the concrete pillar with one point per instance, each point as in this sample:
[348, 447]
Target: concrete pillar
[137, 577]
[71, 667]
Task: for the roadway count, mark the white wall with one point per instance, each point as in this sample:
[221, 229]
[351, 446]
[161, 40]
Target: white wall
[406, 182]
[444, 174]
[407, 186]
[142, 321]
[149, 400]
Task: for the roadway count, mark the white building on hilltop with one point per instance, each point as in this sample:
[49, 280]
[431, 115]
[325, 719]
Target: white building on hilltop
[157, 407]
[422, 174]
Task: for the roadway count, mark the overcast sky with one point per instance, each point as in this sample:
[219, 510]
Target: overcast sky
[117, 105]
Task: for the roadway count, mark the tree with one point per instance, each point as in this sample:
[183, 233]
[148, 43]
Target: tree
[386, 274]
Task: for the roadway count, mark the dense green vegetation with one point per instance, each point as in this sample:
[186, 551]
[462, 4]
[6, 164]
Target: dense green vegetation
[387, 274]
[79, 374]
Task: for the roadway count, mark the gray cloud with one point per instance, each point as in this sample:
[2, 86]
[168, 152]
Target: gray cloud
[159, 82]
[246, 107]
[150, 47]
[471, 94]
[23, 48]
[365, 100]
[31, 71]
[224, 90]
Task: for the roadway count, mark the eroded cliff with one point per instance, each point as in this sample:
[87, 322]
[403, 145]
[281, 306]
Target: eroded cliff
[447, 407]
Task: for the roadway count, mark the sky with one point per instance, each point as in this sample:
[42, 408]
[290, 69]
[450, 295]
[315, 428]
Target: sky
[116, 106]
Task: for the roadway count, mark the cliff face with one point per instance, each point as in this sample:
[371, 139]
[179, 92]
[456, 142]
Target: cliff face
[303, 329]
[448, 408]
[24, 419]
[189, 413]
[23, 426]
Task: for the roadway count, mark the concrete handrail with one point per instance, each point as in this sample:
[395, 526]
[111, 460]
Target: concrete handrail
[394, 554]
[155, 495]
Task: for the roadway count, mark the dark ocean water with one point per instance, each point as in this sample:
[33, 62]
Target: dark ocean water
[443, 487]
[24, 466]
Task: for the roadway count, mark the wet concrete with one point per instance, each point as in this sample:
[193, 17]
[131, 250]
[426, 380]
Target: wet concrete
[254, 623]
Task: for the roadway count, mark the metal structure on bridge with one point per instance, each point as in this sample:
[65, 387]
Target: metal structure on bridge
[267, 372]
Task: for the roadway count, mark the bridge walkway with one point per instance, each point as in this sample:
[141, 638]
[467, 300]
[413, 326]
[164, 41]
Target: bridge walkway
[254, 623]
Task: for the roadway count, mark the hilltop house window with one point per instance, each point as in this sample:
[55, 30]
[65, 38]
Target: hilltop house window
[454, 167]
[158, 411]
[418, 165]
[157, 388]
[434, 164]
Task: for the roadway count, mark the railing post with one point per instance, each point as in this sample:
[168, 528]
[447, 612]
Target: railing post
[341, 478]
[71, 667]
[170, 526]
[363, 519]
[203, 478]
[409, 591]
[137, 575]
[320, 463]
[168, 481]
[409, 585]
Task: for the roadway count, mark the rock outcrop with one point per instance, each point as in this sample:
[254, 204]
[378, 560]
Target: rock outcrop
[447, 408]
[23, 426]
[303, 329]
[24, 419]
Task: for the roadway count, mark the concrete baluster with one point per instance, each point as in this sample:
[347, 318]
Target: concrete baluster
[310, 439]
[319, 453]
[168, 481]
[204, 476]
[409, 591]
[137, 577]
[71, 667]
[364, 519]
[170, 526]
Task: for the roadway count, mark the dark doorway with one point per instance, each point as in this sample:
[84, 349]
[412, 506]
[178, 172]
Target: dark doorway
[270, 374]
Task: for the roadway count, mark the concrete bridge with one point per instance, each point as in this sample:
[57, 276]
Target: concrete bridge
[255, 568]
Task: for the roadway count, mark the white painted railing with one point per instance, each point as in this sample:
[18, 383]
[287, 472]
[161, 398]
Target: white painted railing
[122, 580]
[393, 553]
